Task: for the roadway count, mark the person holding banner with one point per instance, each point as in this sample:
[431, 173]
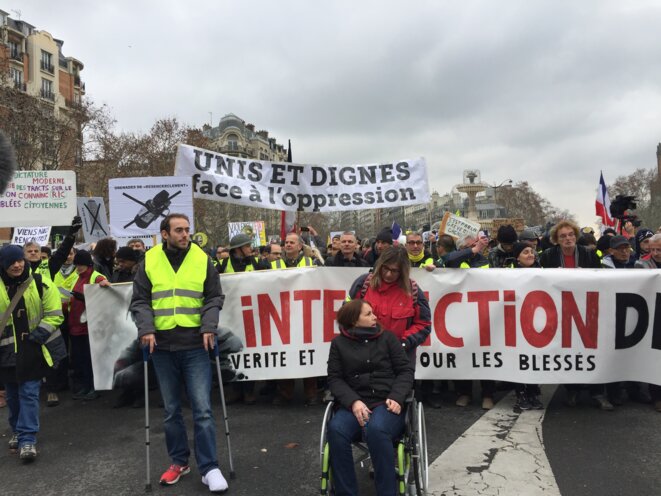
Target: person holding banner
[176, 305]
[653, 262]
[30, 342]
[568, 254]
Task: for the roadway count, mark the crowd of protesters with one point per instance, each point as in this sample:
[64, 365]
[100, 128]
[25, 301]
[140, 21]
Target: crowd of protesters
[388, 286]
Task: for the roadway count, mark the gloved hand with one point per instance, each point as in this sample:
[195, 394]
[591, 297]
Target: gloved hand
[39, 335]
[79, 296]
[76, 224]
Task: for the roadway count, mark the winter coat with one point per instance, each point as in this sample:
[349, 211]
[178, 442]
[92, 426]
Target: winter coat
[77, 302]
[551, 258]
[339, 261]
[499, 258]
[397, 312]
[369, 365]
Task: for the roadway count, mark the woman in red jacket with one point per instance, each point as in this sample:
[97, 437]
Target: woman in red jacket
[77, 320]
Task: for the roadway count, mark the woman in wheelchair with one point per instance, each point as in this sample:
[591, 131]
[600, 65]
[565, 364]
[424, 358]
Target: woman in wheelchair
[370, 377]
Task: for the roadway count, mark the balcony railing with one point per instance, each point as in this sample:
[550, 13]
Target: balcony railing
[20, 85]
[72, 103]
[48, 95]
[16, 55]
[45, 66]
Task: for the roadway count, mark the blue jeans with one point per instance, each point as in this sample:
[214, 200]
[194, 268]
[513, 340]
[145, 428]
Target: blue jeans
[192, 369]
[381, 431]
[23, 403]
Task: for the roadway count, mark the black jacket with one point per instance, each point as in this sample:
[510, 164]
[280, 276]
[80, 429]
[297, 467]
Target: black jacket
[370, 365]
[339, 261]
[551, 258]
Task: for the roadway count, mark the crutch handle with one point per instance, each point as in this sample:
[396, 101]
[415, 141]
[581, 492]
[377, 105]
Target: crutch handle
[216, 353]
[145, 353]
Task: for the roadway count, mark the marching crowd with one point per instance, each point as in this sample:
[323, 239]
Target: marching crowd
[176, 304]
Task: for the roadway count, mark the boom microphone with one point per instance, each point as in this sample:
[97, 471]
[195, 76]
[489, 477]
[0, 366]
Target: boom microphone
[8, 163]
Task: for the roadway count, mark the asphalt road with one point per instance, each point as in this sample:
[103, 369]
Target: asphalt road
[90, 448]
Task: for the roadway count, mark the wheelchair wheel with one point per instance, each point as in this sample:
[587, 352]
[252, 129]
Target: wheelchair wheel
[324, 454]
[420, 456]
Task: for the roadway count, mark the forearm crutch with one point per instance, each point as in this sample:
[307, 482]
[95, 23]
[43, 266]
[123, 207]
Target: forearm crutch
[216, 353]
[145, 367]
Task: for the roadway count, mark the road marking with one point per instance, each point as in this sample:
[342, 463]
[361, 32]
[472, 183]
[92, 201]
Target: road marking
[500, 454]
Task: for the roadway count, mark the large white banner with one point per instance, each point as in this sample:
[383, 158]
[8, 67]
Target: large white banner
[138, 204]
[92, 211]
[302, 187]
[35, 198]
[530, 325]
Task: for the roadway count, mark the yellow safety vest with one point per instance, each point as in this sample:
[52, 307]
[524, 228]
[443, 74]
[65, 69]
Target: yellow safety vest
[465, 265]
[44, 270]
[44, 312]
[176, 297]
[280, 264]
[65, 285]
[229, 269]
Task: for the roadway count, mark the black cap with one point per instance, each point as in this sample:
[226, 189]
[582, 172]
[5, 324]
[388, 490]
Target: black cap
[617, 241]
[507, 234]
[385, 235]
[127, 253]
[83, 257]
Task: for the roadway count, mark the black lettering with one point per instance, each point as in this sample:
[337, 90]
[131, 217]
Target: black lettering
[347, 176]
[656, 327]
[367, 175]
[357, 199]
[278, 176]
[386, 173]
[402, 169]
[523, 362]
[624, 301]
[319, 176]
[255, 171]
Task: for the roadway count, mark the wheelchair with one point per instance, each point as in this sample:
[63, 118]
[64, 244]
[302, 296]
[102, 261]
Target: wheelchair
[410, 452]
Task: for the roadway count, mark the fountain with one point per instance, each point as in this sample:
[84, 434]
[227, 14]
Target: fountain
[471, 187]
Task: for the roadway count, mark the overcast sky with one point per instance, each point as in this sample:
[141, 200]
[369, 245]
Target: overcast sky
[550, 92]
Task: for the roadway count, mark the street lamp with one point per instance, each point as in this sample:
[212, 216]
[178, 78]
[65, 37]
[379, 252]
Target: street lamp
[506, 182]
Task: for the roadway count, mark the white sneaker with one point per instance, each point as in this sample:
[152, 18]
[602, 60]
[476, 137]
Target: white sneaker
[215, 480]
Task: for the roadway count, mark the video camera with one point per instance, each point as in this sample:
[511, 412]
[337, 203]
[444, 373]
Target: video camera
[619, 207]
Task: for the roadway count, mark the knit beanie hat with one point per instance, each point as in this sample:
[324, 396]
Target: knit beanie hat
[10, 254]
[518, 248]
[528, 234]
[506, 234]
[603, 244]
[385, 235]
[642, 234]
[127, 253]
[83, 257]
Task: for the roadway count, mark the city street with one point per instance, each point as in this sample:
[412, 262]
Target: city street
[90, 448]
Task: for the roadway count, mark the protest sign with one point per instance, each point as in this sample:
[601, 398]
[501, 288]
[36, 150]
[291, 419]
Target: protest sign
[138, 204]
[92, 211]
[458, 227]
[35, 198]
[39, 235]
[302, 187]
[530, 326]
[255, 230]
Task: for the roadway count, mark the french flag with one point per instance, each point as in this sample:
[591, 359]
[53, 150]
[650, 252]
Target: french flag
[603, 204]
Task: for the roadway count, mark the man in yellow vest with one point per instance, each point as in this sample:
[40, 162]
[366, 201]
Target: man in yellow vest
[30, 342]
[176, 303]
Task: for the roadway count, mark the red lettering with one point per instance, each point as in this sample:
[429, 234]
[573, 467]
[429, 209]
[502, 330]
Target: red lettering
[440, 328]
[330, 297]
[533, 301]
[268, 312]
[483, 298]
[307, 296]
[588, 329]
[510, 325]
[249, 322]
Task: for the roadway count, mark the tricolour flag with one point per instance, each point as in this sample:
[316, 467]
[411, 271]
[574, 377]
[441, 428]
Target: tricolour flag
[603, 204]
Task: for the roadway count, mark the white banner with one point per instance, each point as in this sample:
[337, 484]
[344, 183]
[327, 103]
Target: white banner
[39, 235]
[302, 187]
[138, 204]
[526, 325]
[35, 198]
[92, 211]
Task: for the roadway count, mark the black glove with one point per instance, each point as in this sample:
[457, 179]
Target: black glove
[76, 224]
[79, 296]
[39, 335]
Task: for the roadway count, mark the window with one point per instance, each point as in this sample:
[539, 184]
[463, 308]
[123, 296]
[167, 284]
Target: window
[47, 62]
[14, 50]
[47, 89]
[17, 76]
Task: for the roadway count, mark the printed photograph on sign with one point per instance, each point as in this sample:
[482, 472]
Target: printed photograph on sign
[139, 204]
[255, 230]
[92, 212]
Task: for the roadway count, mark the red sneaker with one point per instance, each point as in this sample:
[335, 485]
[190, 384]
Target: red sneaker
[172, 475]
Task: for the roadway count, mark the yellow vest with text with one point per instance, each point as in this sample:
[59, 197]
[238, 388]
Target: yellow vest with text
[43, 311]
[177, 298]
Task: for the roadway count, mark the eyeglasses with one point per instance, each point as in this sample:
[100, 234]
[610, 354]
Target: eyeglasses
[568, 235]
[391, 270]
[414, 242]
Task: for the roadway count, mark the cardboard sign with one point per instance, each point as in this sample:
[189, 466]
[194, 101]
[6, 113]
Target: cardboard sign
[39, 235]
[458, 227]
